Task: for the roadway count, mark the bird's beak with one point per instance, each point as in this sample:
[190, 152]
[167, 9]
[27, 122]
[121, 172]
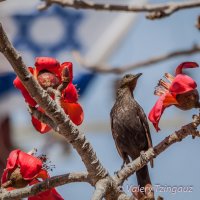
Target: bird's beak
[138, 75]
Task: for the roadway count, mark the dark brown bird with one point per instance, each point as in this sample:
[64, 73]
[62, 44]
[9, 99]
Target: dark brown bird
[129, 126]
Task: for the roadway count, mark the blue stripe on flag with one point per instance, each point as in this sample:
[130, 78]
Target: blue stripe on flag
[6, 82]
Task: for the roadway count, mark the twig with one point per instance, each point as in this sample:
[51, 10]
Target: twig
[63, 85]
[189, 129]
[43, 118]
[155, 11]
[198, 23]
[45, 185]
[121, 69]
[58, 92]
[54, 111]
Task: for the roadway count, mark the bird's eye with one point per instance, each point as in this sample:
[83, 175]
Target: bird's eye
[127, 76]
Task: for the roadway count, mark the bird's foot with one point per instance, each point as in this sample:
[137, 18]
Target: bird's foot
[116, 174]
[123, 165]
[143, 157]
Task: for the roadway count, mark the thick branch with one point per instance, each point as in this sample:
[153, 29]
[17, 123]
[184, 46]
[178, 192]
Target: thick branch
[54, 111]
[100, 189]
[155, 11]
[45, 185]
[189, 129]
[125, 68]
[125, 197]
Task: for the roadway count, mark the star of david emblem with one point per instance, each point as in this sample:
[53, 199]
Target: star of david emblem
[29, 36]
[56, 21]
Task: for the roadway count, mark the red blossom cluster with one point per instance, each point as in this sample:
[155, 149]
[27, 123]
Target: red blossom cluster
[48, 72]
[179, 91]
[24, 169]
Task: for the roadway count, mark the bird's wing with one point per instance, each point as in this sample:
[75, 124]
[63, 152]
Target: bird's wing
[144, 122]
[114, 137]
[123, 155]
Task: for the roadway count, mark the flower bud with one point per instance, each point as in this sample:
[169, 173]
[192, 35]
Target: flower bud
[188, 100]
[47, 79]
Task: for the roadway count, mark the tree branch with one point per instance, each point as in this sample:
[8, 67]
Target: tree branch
[101, 188]
[43, 118]
[177, 136]
[198, 22]
[62, 86]
[155, 11]
[121, 69]
[45, 185]
[54, 111]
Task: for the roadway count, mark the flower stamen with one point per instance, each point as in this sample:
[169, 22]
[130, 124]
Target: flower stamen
[169, 77]
[32, 152]
[46, 163]
[159, 90]
[164, 84]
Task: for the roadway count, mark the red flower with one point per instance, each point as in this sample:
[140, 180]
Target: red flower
[23, 169]
[49, 72]
[179, 91]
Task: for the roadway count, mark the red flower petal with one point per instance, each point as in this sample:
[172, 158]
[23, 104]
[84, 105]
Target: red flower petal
[163, 102]
[11, 164]
[47, 195]
[47, 63]
[18, 84]
[40, 126]
[185, 65]
[51, 194]
[70, 94]
[43, 174]
[12, 159]
[10, 188]
[74, 110]
[181, 84]
[30, 166]
[69, 65]
[4, 176]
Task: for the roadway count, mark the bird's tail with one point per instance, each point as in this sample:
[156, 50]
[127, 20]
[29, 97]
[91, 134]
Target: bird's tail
[143, 177]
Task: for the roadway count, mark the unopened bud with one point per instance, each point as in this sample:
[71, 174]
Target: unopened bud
[65, 75]
[188, 100]
[48, 79]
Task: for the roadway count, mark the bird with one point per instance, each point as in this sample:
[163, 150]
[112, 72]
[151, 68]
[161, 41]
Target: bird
[130, 128]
